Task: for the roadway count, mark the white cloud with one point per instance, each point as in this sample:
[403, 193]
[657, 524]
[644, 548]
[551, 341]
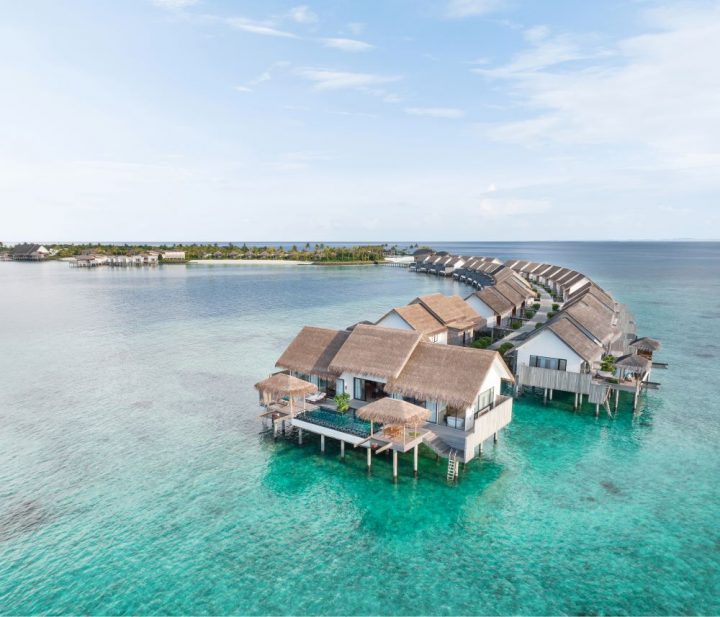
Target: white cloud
[347, 44]
[258, 27]
[302, 15]
[660, 95]
[536, 33]
[472, 8]
[327, 79]
[243, 89]
[436, 112]
[174, 5]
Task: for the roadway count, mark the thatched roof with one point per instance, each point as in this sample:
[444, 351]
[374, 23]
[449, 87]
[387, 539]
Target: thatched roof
[449, 310]
[375, 351]
[575, 338]
[645, 344]
[446, 373]
[418, 318]
[512, 294]
[282, 384]
[495, 300]
[634, 362]
[312, 350]
[594, 316]
[390, 411]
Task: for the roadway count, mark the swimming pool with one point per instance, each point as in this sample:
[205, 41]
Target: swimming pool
[345, 422]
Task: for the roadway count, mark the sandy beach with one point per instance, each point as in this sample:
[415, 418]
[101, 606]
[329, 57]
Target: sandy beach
[250, 262]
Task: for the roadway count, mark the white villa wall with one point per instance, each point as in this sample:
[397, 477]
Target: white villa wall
[393, 320]
[548, 344]
[481, 308]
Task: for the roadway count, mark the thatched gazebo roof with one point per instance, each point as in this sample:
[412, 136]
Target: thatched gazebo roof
[282, 384]
[390, 411]
[633, 362]
[646, 344]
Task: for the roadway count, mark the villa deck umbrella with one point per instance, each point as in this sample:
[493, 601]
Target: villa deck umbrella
[281, 385]
[394, 412]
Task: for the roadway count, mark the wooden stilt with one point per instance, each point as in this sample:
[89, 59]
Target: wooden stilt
[545, 395]
[575, 404]
[395, 465]
[322, 443]
[597, 409]
[342, 449]
[415, 460]
[617, 399]
[495, 438]
[300, 436]
[369, 456]
[551, 393]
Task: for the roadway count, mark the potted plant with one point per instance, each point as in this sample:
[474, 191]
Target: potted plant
[342, 402]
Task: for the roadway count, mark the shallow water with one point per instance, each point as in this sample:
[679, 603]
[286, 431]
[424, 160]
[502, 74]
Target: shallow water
[134, 477]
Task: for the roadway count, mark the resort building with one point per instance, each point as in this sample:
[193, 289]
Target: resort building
[29, 252]
[459, 317]
[492, 306]
[170, 256]
[415, 317]
[444, 396]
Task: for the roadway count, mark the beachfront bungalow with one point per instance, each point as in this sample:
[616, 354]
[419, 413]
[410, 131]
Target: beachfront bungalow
[90, 260]
[173, 256]
[491, 305]
[29, 252]
[460, 319]
[417, 318]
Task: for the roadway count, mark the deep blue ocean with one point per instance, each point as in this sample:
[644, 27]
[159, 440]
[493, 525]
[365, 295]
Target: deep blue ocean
[135, 477]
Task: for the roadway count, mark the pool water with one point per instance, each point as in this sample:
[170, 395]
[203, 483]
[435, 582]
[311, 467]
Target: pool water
[346, 422]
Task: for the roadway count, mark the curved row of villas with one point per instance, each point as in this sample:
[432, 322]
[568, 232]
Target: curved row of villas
[419, 353]
[591, 331]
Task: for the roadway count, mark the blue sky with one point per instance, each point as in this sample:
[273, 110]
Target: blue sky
[383, 120]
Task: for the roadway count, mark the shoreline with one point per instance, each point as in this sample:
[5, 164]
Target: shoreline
[250, 262]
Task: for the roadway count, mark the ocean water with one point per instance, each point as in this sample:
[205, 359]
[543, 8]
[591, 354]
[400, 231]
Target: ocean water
[135, 477]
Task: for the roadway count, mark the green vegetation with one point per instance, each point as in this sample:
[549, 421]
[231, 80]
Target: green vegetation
[342, 401]
[538, 325]
[550, 315]
[529, 314]
[319, 253]
[482, 343]
[515, 324]
[504, 348]
[536, 306]
[608, 364]
[555, 306]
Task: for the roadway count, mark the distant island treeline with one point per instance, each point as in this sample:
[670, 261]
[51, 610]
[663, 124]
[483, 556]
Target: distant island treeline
[315, 252]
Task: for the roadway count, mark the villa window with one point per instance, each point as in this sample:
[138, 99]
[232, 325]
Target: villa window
[485, 399]
[359, 389]
[556, 364]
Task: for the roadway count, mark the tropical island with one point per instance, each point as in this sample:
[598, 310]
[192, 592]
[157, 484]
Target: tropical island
[318, 253]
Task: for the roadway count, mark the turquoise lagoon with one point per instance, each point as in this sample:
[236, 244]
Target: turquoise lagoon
[134, 477]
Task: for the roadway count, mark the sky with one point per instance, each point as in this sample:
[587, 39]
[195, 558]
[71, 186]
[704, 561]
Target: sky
[387, 120]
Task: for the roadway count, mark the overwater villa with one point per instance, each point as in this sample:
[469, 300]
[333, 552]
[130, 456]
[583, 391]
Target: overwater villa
[402, 391]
